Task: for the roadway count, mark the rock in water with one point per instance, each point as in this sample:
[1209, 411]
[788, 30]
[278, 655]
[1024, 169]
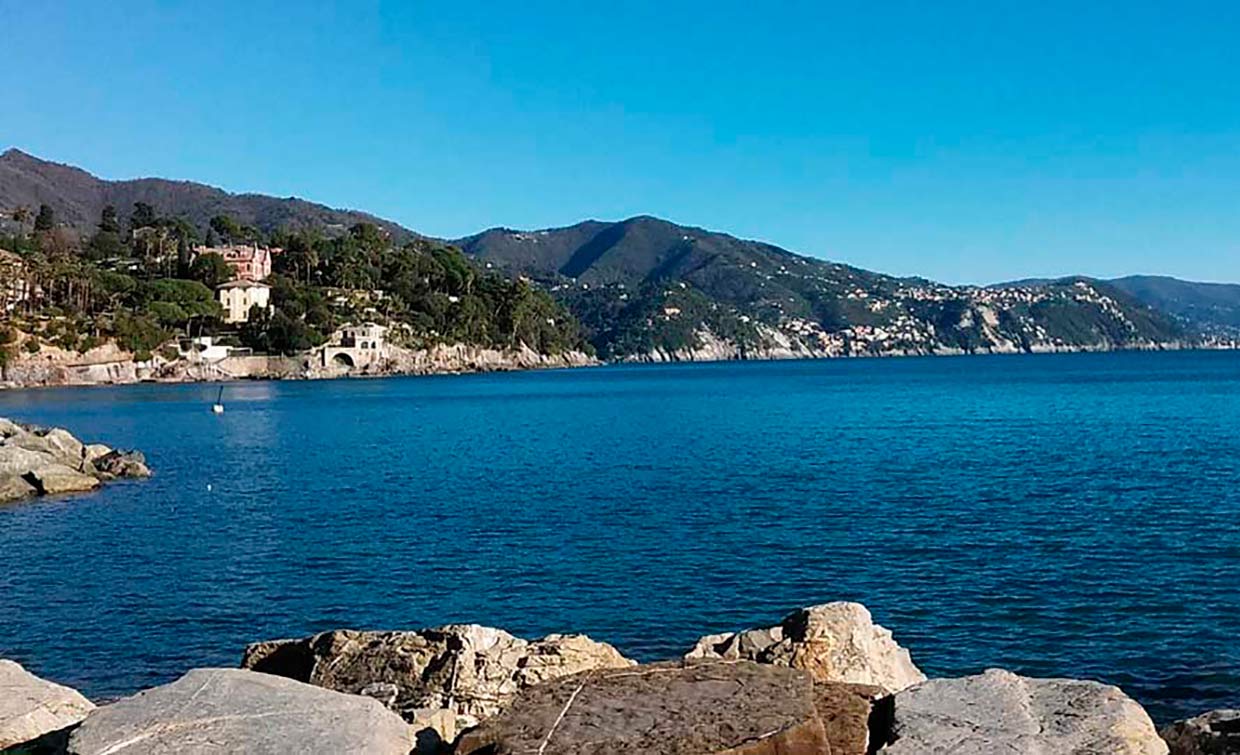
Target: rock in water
[14, 488]
[31, 707]
[130, 464]
[661, 709]
[1213, 733]
[835, 642]
[54, 479]
[1000, 712]
[466, 668]
[231, 711]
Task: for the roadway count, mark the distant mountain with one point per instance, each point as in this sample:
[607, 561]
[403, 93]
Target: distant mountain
[648, 288]
[1213, 308]
[79, 197]
[1208, 305]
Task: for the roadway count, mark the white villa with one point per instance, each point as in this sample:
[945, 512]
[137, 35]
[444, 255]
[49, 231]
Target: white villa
[239, 296]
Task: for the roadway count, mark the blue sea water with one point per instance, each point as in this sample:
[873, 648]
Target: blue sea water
[1069, 515]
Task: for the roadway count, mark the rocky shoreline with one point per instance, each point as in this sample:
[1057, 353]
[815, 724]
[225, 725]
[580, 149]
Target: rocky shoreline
[826, 680]
[38, 461]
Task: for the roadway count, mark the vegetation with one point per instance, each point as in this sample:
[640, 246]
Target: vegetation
[141, 283]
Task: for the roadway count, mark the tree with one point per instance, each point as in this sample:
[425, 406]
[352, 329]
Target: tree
[210, 269]
[108, 222]
[107, 240]
[46, 220]
[143, 216]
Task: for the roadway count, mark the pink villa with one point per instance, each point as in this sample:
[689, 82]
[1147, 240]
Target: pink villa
[249, 262]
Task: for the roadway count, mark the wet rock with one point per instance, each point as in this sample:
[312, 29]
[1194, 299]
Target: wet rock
[835, 642]
[233, 711]
[661, 709]
[1213, 733]
[55, 479]
[31, 707]
[845, 711]
[469, 669]
[1000, 712]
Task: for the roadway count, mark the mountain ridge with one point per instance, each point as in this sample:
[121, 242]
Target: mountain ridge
[645, 287]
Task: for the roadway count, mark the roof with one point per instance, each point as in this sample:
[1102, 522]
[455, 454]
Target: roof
[241, 284]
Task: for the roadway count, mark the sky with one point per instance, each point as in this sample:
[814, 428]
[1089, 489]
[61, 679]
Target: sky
[968, 142]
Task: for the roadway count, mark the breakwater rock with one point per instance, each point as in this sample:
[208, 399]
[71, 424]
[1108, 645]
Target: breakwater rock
[825, 681]
[49, 461]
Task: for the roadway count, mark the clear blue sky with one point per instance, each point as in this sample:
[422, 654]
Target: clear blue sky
[965, 141]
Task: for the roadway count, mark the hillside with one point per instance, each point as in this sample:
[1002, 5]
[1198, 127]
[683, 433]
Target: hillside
[648, 288]
[78, 198]
[1211, 306]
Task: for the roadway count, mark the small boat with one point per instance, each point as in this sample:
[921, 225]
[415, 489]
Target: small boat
[218, 407]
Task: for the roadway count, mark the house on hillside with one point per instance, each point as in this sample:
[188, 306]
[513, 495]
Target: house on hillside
[238, 297]
[356, 347]
[249, 262]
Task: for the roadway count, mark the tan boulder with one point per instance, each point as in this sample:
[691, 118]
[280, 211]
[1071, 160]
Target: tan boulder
[31, 707]
[14, 487]
[835, 642]
[686, 708]
[1213, 733]
[469, 669]
[54, 479]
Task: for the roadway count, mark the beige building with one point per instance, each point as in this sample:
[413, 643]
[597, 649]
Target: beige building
[13, 289]
[356, 347]
[239, 297]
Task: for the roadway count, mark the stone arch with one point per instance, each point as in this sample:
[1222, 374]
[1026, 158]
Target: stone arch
[341, 359]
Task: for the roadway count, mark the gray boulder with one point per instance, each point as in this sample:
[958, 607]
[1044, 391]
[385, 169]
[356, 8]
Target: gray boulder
[231, 711]
[17, 460]
[1213, 733]
[469, 669]
[834, 642]
[661, 709]
[1000, 712]
[31, 707]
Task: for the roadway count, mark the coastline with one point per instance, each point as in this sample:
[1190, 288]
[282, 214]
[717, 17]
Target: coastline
[109, 366]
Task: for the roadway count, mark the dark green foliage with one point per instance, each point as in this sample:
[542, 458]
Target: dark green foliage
[210, 269]
[46, 219]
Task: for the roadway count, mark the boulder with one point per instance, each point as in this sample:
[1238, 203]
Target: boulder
[845, 711]
[661, 709]
[14, 487]
[228, 710]
[1000, 712]
[835, 642]
[1213, 733]
[17, 460]
[434, 731]
[9, 428]
[66, 448]
[96, 450]
[54, 479]
[31, 707]
[122, 464]
[469, 669]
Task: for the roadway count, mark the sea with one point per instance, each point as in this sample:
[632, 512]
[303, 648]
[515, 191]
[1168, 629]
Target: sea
[1055, 515]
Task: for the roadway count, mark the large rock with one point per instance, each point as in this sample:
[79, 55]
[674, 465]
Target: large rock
[54, 479]
[466, 668]
[835, 642]
[662, 709]
[231, 711]
[1000, 712]
[1213, 733]
[19, 461]
[14, 487]
[31, 707]
[845, 711]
